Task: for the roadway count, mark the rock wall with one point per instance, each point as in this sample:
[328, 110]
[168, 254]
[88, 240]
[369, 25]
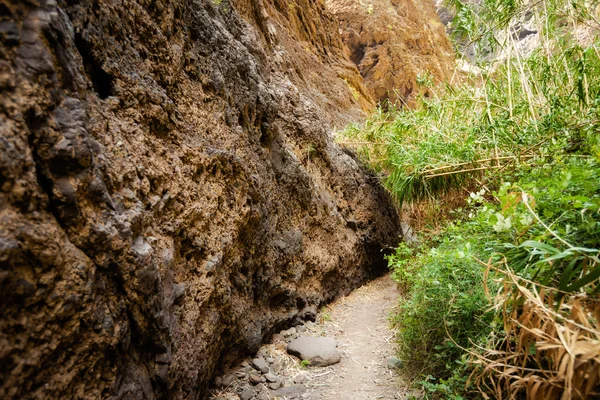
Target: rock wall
[169, 193]
[394, 42]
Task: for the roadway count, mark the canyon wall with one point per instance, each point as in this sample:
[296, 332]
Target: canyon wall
[399, 46]
[169, 192]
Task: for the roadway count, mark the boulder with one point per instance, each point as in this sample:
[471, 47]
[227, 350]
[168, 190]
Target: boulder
[260, 364]
[319, 351]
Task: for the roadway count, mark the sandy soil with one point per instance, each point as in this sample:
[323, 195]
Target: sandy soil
[360, 323]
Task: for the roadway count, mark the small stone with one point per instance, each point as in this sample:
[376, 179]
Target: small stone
[260, 364]
[394, 363]
[288, 332]
[270, 360]
[290, 391]
[277, 338]
[300, 378]
[301, 328]
[262, 352]
[271, 377]
[227, 380]
[255, 379]
[247, 394]
[218, 381]
[241, 375]
[276, 367]
[245, 364]
[263, 396]
[276, 385]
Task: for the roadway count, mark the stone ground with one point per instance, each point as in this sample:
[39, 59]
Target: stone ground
[359, 323]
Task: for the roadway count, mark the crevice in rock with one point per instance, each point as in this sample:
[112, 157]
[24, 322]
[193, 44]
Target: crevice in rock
[34, 123]
[358, 53]
[101, 80]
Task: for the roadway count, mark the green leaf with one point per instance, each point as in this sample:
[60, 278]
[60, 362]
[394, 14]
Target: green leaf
[567, 275]
[543, 248]
[585, 280]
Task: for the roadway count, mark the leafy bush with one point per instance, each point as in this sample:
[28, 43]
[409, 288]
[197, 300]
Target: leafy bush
[446, 307]
[526, 133]
[547, 231]
[446, 310]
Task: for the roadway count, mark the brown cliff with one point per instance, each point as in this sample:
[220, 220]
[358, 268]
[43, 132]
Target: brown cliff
[169, 193]
[394, 42]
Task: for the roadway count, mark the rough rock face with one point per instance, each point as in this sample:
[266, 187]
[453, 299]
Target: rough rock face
[393, 42]
[305, 44]
[169, 195]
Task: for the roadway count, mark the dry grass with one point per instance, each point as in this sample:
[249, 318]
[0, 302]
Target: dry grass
[429, 216]
[551, 347]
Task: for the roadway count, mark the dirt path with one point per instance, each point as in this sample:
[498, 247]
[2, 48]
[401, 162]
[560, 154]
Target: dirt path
[359, 322]
[360, 325]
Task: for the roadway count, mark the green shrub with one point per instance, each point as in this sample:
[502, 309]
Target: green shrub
[526, 132]
[445, 307]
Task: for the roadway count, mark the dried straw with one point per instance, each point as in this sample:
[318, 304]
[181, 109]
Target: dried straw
[551, 346]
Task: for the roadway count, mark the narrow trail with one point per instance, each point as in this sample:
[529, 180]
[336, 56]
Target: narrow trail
[360, 324]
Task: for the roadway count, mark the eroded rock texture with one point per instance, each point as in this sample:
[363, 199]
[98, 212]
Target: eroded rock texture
[169, 195]
[393, 42]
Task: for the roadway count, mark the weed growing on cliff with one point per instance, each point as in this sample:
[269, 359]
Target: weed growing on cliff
[324, 316]
[355, 93]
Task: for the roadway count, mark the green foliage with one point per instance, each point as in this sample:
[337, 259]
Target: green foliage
[552, 207]
[527, 132]
[445, 309]
[425, 79]
[446, 306]
[520, 111]
[324, 316]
